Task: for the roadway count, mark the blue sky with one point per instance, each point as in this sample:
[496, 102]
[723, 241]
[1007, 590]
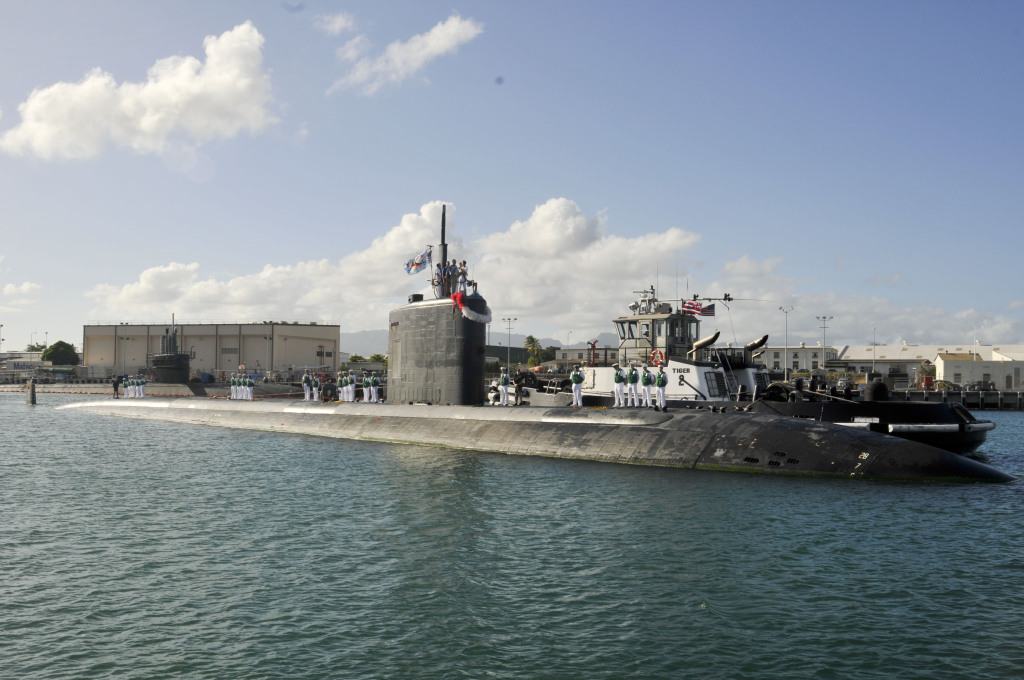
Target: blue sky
[281, 160]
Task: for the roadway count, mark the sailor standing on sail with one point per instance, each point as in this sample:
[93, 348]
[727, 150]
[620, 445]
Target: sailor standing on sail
[306, 385]
[632, 378]
[646, 381]
[620, 386]
[576, 377]
[660, 382]
[503, 382]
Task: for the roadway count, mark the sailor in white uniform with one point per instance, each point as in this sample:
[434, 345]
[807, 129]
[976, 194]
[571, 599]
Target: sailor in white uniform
[632, 378]
[576, 378]
[375, 388]
[660, 383]
[620, 386]
[503, 382]
[306, 385]
[646, 382]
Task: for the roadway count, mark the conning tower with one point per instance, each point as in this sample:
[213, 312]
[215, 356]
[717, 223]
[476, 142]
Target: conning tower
[436, 348]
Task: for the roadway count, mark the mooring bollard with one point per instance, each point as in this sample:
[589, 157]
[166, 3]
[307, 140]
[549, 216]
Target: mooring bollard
[30, 397]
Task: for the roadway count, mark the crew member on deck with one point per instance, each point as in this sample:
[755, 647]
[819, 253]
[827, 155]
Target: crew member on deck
[646, 381]
[620, 386]
[632, 378]
[503, 382]
[307, 385]
[660, 383]
[576, 378]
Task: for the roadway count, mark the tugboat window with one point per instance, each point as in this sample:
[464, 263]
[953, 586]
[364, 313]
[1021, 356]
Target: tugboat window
[621, 328]
[645, 330]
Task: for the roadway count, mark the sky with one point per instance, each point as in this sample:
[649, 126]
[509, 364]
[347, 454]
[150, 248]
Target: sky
[255, 160]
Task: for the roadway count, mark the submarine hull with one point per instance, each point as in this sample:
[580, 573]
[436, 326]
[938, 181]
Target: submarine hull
[732, 441]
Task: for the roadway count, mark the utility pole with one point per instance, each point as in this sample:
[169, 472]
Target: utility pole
[509, 320]
[785, 353]
[824, 324]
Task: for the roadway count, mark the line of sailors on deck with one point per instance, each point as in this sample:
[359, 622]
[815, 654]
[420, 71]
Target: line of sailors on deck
[316, 387]
[241, 386]
[134, 387]
[634, 386]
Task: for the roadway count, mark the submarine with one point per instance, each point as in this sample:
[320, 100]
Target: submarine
[437, 396]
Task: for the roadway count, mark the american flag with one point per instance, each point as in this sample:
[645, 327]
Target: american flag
[708, 311]
[692, 306]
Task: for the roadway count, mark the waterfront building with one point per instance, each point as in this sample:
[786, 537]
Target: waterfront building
[279, 349]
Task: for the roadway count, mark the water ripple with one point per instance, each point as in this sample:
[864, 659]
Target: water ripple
[152, 550]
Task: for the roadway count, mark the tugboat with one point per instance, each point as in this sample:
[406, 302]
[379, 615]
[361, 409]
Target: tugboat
[702, 375]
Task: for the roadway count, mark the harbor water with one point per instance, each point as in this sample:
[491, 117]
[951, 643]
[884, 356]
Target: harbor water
[143, 549]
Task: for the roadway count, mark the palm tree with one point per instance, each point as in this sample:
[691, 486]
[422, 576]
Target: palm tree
[533, 348]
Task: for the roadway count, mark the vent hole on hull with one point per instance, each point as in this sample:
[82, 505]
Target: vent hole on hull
[750, 459]
[774, 463]
[792, 461]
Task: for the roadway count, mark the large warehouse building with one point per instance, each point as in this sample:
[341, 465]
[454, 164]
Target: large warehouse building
[218, 349]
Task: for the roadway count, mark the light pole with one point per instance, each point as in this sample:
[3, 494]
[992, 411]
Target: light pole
[874, 347]
[124, 355]
[509, 320]
[824, 324]
[785, 351]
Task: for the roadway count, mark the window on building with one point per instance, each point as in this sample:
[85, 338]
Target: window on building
[775, 367]
[814, 355]
[229, 350]
[579, 355]
[776, 355]
[958, 378]
[796, 355]
[814, 365]
[796, 365]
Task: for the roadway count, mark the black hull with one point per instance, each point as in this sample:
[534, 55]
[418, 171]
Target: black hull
[946, 426]
[701, 440]
[170, 368]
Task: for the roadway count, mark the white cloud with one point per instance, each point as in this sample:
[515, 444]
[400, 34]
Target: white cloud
[183, 101]
[335, 24]
[27, 288]
[748, 268]
[354, 49]
[400, 60]
[558, 265]
[558, 269]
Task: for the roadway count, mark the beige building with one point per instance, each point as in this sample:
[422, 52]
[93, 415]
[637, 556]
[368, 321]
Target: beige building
[216, 348]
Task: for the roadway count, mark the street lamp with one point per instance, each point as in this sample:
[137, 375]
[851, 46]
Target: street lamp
[824, 324]
[124, 353]
[509, 320]
[785, 352]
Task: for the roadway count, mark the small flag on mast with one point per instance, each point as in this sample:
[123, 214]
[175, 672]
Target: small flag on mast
[708, 311]
[418, 263]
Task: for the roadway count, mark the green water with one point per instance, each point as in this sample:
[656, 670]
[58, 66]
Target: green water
[140, 549]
